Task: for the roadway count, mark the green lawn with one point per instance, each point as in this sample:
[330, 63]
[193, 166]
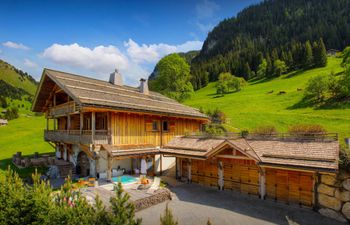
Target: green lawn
[25, 134]
[253, 106]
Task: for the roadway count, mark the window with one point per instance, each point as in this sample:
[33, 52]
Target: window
[165, 126]
[154, 125]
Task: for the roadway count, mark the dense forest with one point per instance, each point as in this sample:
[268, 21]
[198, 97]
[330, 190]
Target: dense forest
[275, 36]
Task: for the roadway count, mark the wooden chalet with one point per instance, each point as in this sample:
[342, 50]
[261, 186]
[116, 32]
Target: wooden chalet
[101, 126]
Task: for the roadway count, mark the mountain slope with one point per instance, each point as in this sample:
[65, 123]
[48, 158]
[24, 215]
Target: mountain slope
[272, 29]
[253, 106]
[17, 78]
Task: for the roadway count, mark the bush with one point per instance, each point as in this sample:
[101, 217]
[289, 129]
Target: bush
[214, 129]
[307, 129]
[344, 159]
[11, 114]
[317, 88]
[167, 218]
[217, 116]
[265, 130]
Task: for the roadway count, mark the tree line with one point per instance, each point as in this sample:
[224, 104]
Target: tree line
[281, 32]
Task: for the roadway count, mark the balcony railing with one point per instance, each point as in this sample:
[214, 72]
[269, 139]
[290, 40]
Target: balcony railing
[74, 136]
[63, 109]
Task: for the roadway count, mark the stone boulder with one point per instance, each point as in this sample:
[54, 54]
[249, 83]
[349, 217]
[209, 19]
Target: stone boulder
[343, 175]
[328, 179]
[329, 202]
[332, 214]
[342, 195]
[346, 210]
[346, 184]
[325, 189]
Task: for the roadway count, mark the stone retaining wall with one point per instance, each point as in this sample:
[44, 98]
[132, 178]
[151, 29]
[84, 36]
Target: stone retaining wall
[161, 195]
[333, 196]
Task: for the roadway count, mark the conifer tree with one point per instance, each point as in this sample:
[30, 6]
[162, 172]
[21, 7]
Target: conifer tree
[322, 54]
[167, 218]
[308, 56]
[246, 71]
[123, 210]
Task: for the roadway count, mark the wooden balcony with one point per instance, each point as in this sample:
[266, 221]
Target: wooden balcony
[74, 137]
[63, 109]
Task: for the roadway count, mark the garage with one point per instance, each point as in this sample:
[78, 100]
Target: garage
[205, 172]
[291, 187]
[241, 175]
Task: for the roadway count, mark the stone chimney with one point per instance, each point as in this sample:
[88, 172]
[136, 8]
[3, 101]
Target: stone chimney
[116, 78]
[144, 86]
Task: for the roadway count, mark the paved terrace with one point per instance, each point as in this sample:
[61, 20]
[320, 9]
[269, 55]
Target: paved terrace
[193, 204]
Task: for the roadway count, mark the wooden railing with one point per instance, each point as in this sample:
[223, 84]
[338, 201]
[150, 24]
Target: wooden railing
[63, 109]
[274, 136]
[74, 136]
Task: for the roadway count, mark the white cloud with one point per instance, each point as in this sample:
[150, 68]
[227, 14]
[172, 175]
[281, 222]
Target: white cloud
[152, 53]
[30, 63]
[206, 9]
[137, 62]
[15, 45]
[101, 59]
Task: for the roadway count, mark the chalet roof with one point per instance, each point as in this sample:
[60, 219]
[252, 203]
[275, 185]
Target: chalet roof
[97, 93]
[317, 155]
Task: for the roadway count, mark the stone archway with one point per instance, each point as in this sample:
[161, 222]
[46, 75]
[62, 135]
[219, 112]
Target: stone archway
[83, 164]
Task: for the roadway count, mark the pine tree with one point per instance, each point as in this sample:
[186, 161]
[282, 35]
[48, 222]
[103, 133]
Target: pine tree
[123, 210]
[308, 56]
[167, 218]
[269, 66]
[322, 62]
[246, 71]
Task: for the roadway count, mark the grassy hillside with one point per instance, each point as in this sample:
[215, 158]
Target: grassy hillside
[253, 106]
[9, 74]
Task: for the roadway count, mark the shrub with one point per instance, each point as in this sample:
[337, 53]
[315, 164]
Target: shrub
[317, 88]
[217, 116]
[167, 218]
[214, 129]
[344, 159]
[307, 129]
[265, 130]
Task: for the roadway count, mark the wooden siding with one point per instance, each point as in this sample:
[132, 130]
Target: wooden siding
[129, 128]
[205, 172]
[292, 187]
[241, 175]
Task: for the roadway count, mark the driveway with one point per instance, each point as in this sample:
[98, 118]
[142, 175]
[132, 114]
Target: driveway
[194, 204]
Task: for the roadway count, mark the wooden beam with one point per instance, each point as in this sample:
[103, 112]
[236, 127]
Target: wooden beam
[262, 182]
[93, 125]
[81, 122]
[109, 168]
[154, 164]
[68, 123]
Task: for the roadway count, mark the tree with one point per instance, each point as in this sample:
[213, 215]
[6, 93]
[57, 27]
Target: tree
[262, 68]
[320, 53]
[308, 56]
[346, 57]
[279, 67]
[123, 210]
[3, 102]
[167, 218]
[228, 82]
[173, 78]
[317, 88]
[246, 71]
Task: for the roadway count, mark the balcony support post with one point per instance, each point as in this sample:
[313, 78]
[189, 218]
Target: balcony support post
[54, 123]
[68, 123]
[81, 123]
[93, 126]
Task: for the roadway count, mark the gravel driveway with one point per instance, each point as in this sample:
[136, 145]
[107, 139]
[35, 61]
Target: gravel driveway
[194, 204]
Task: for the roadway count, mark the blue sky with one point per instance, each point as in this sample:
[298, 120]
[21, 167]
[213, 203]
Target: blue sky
[94, 37]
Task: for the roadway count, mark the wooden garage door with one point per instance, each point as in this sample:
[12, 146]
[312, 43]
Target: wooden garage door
[241, 175]
[204, 172]
[292, 187]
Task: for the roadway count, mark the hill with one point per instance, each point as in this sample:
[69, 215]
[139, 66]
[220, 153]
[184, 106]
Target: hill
[254, 106]
[17, 78]
[272, 29]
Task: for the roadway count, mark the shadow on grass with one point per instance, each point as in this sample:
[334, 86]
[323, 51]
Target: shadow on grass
[260, 80]
[24, 173]
[294, 74]
[328, 104]
[215, 95]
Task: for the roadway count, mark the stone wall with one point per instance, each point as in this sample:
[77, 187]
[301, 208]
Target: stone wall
[333, 196]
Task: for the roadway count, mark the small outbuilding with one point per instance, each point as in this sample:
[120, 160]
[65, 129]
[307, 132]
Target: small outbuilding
[3, 122]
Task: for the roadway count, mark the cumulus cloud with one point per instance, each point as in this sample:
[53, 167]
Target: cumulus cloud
[15, 45]
[30, 63]
[136, 62]
[206, 9]
[152, 53]
[99, 59]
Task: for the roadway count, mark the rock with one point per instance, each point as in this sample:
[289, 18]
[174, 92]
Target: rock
[328, 179]
[325, 189]
[346, 184]
[343, 196]
[346, 210]
[332, 214]
[329, 202]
